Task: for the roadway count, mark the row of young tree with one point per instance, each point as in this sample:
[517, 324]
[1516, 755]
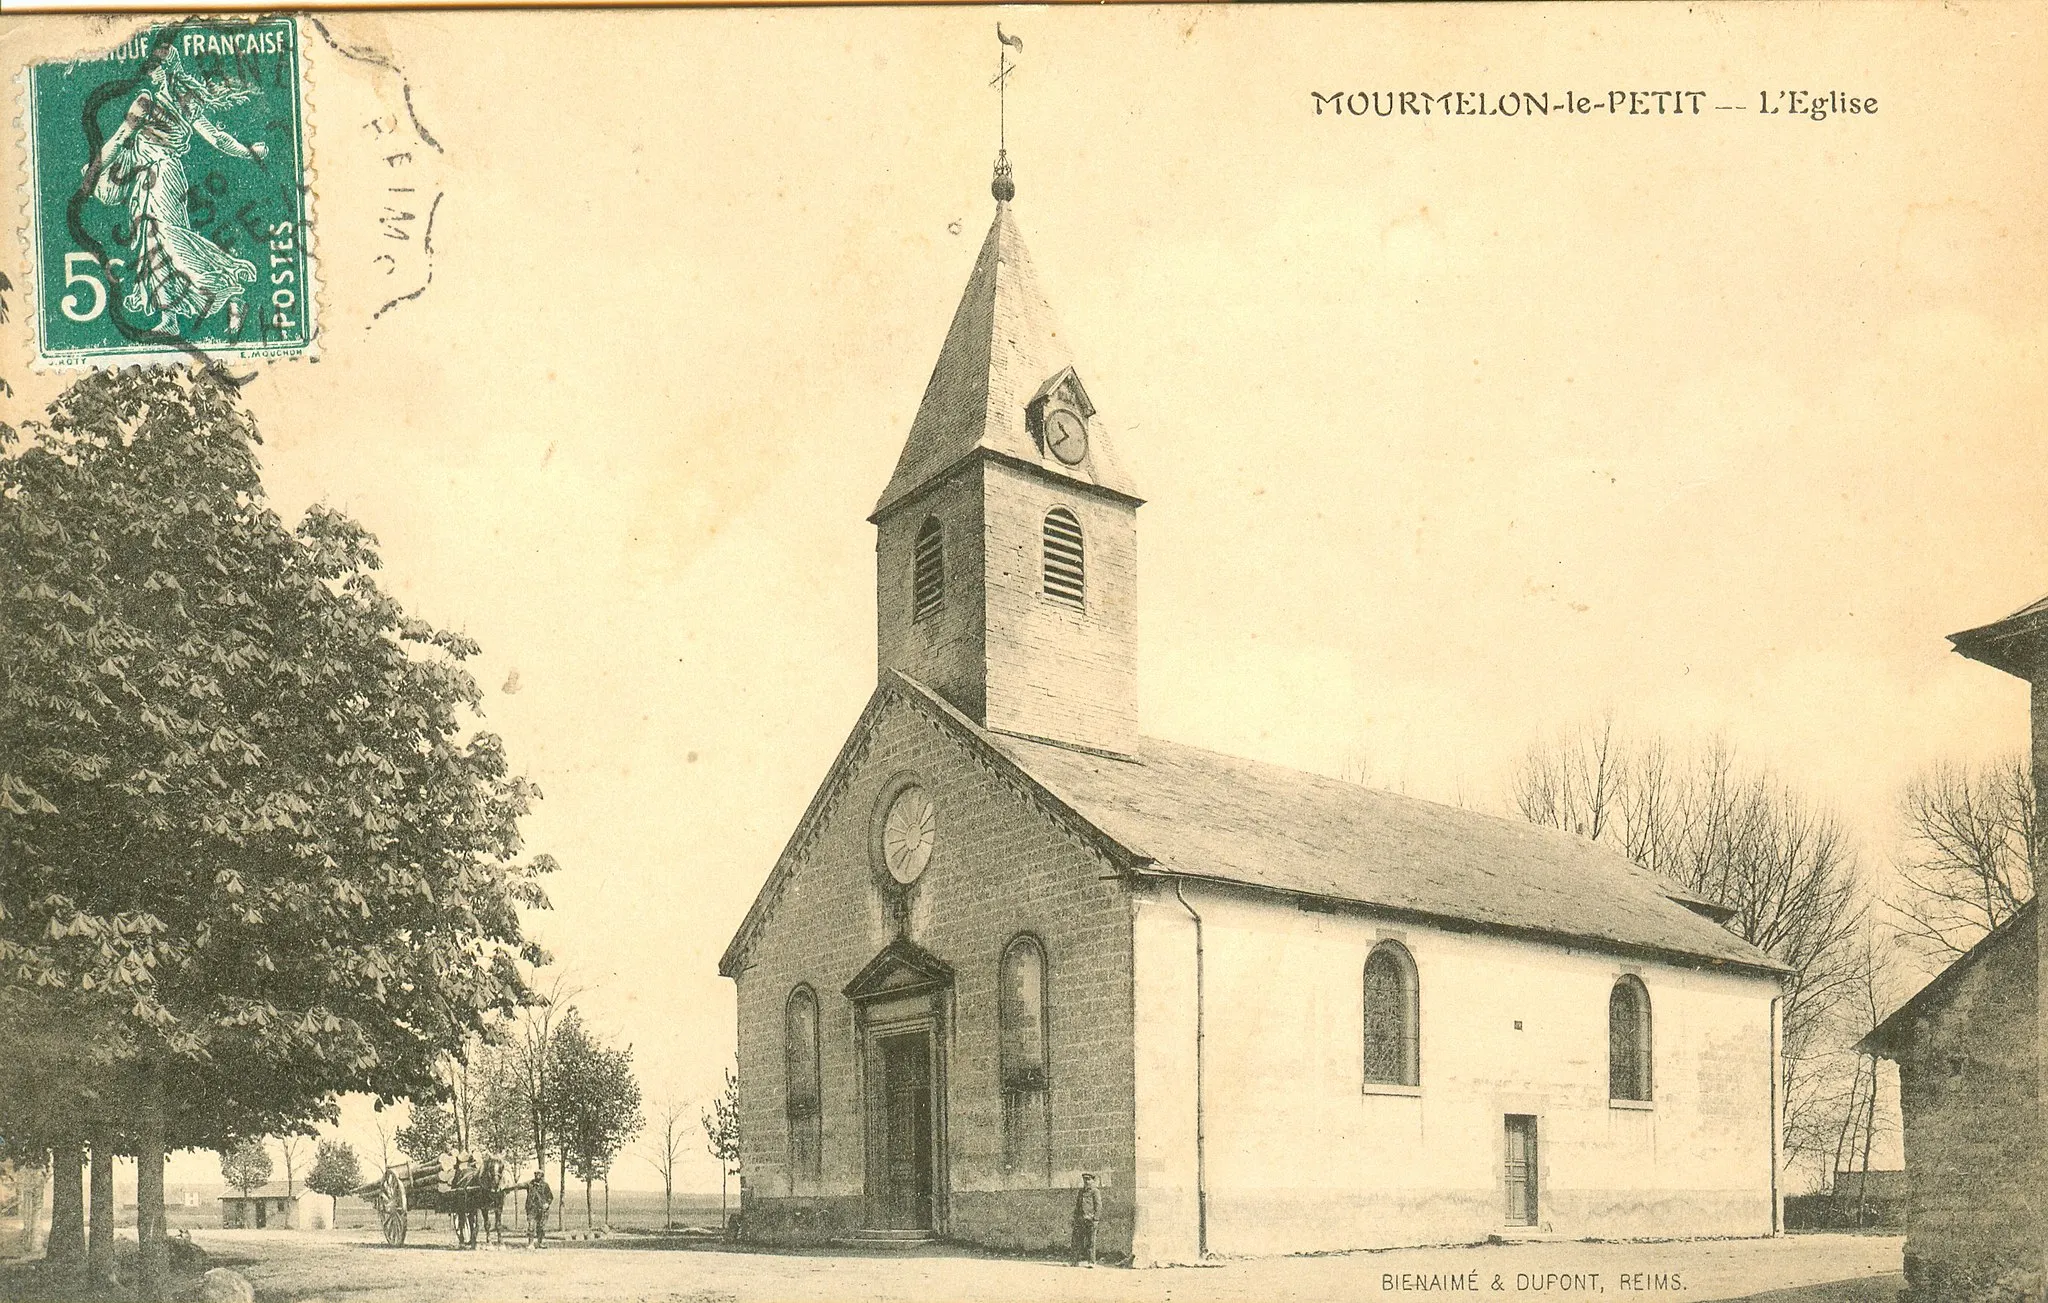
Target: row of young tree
[258, 851]
[592, 1111]
[1856, 940]
[550, 1090]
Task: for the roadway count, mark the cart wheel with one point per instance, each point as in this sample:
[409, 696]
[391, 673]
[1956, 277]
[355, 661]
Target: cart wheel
[391, 1210]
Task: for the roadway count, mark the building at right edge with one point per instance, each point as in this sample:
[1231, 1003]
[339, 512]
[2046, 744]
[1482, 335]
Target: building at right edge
[1970, 1069]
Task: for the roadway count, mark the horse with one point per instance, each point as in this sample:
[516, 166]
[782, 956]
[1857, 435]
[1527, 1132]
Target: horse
[477, 1194]
[493, 1210]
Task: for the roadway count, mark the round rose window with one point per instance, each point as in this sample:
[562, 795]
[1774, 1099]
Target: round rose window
[908, 831]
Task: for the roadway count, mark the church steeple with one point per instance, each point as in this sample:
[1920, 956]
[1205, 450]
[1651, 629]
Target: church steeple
[1003, 347]
[1006, 541]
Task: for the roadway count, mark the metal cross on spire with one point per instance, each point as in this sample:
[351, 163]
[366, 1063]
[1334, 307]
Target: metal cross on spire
[1003, 188]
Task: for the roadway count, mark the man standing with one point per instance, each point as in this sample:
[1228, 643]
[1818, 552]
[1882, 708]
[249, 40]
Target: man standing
[539, 1197]
[1087, 1211]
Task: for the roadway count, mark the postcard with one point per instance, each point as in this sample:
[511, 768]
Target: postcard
[899, 652]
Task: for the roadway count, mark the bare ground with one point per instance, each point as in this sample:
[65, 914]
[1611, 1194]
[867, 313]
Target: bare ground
[350, 1267]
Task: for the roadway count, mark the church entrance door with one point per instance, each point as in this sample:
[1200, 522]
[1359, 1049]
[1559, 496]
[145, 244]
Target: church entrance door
[902, 1009]
[906, 1185]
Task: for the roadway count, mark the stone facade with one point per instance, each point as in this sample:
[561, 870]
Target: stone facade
[1004, 866]
[1968, 1077]
[999, 649]
[1957, 1258]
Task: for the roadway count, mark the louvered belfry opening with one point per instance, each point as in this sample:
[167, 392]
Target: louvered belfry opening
[1064, 574]
[928, 572]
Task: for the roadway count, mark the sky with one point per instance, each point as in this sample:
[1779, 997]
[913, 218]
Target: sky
[1453, 431]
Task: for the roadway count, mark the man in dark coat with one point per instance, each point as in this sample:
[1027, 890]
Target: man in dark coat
[539, 1197]
[1087, 1211]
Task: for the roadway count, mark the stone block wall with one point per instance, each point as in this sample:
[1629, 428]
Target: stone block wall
[1004, 652]
[1002, 866]
[1056, 670]
[1969, 1091]
[943, 651]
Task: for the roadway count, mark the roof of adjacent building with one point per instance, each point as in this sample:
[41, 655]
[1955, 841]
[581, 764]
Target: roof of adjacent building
[1178, 810]
[2017, 644]
[268, 1190]
[1889, 1038]
[1002, 347]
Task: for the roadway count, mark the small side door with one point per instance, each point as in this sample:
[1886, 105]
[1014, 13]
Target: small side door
[1521, 1169]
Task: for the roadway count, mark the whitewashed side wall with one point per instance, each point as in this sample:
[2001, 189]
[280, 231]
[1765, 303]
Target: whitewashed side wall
[1301, 1155]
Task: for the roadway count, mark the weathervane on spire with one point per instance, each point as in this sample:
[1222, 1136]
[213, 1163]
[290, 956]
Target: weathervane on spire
[1003, 188]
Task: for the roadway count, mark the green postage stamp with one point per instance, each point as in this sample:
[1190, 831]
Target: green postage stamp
[168, 197]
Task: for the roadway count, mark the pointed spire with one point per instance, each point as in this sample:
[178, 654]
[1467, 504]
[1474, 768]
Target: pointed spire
[1001, 350]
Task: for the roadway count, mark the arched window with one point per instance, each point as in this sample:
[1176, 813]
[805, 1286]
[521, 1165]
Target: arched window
[1027, 1130]
[1392, 1017]
[802, 1090]
[1065, 575]
[928, 571]
[1628, 1040]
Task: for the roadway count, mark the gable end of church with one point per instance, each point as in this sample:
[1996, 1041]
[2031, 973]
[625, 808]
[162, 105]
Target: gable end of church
[955, 742]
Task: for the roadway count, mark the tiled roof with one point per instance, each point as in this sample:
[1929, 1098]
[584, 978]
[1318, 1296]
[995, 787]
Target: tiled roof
[1180, 810]
[1201, 814]
[1002, 346]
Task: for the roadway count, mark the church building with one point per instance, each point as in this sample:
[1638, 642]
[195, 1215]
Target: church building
[1013, 940]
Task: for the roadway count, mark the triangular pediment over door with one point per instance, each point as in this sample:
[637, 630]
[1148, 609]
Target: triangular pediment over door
[901, 968]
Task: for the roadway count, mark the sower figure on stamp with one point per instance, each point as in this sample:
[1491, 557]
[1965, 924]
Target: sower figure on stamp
[1087, 1211]
[179, 273]
[539, 1197]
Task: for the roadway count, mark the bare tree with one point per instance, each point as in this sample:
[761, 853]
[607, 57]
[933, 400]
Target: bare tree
[1854, 1103]
[1972, 838]
[455, 1072]
[1738, 836]
[1573, 782]
[665, 1147]
[290, 1145]
[532, 1039]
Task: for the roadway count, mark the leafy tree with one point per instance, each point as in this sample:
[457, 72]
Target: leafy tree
[721, 1124]
[1972, 839]
[501, 1121]
[1737, 836]
[337, 1172]
[428, 1134]
[597, 1103]
[247, 816]
[246, 1166]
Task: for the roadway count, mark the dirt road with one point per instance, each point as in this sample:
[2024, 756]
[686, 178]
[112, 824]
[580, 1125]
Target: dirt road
[287, 1265]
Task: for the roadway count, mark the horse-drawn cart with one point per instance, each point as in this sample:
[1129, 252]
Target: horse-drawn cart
[472, 1193]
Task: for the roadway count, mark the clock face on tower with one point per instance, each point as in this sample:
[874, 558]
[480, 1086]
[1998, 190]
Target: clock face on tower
[1066, 435]
[909, 830]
